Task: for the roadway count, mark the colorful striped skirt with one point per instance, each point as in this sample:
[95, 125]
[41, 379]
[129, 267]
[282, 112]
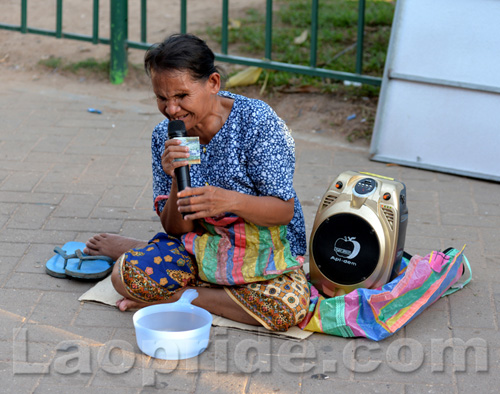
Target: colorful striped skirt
[163, 267]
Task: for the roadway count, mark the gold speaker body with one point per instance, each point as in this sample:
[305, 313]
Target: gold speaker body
[358, 233]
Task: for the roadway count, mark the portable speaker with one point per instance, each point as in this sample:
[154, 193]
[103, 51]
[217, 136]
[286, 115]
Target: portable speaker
[358, 233]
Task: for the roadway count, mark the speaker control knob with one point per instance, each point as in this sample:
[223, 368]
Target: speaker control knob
[365, 187]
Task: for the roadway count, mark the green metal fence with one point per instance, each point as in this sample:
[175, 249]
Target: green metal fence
[119, 42]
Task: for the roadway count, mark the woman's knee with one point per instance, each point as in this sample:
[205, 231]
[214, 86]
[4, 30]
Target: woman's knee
[116, 280]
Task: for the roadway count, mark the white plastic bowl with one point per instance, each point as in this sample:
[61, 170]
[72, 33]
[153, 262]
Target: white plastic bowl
[173, 331]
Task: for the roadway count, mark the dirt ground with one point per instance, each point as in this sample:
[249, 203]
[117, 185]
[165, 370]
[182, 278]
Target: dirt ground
[335, 115]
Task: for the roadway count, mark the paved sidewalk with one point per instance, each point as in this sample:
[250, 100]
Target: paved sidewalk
[66, 174]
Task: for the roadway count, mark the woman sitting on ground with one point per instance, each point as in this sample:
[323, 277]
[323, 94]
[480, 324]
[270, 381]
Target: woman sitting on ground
[242, 191]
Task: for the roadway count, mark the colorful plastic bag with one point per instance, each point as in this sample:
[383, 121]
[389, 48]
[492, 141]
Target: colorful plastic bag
[232, 251]
[379, 313]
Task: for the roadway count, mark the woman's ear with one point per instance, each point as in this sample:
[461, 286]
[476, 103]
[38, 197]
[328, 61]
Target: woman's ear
[214, 82]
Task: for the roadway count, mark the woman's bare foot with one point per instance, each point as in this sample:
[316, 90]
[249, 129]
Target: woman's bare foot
[214, 300]
[126, 304]
[111, 245]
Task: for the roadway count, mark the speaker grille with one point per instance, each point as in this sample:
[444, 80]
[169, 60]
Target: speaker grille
[389, 215]
[345, 248]
[329, 200]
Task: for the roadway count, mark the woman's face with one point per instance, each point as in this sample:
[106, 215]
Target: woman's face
[180, 97]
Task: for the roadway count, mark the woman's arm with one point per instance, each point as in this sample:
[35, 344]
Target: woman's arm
[209, 201]
[171, 219]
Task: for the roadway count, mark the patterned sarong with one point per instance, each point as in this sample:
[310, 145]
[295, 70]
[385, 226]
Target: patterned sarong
[158, 270]
[155, 272]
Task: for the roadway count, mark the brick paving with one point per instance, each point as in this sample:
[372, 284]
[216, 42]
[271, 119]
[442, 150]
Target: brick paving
[66, 174]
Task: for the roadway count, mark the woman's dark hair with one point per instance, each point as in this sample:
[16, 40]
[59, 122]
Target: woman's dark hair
[181, 52]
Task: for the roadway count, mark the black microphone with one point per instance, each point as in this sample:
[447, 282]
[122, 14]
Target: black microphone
[177, 128]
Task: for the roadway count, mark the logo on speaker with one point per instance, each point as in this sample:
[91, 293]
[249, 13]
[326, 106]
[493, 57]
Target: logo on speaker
[347, 247]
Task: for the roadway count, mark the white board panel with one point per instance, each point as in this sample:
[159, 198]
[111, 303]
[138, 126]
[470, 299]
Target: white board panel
[449, 39]
[453, 135]
[439, 106]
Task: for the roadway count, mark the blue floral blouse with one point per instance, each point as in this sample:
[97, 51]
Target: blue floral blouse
[252, 153]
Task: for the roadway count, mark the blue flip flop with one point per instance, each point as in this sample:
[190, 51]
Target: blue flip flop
[88, 267]
[56, 266]
[69, 259]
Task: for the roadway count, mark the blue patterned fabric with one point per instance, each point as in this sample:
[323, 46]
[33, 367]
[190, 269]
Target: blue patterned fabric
[156, 271]
[253, 153]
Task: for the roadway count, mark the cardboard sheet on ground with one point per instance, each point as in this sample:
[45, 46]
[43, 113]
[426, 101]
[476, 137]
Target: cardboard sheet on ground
[104, 293]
